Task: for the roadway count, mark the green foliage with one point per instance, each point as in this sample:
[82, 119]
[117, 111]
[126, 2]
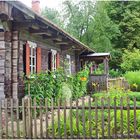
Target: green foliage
[53, 15]
[79, 82]
[133, 78]
[133, 95]
[131, 60]
[57, 85]
[103, 30]
[78, 16]
[115, 73]
[99, 70]
[126, 15]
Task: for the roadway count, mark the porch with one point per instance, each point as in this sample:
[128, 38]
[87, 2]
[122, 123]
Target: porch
[99, 70]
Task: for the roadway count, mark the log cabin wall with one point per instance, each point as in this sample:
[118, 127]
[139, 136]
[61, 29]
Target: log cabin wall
[8, 64]
[2, 64]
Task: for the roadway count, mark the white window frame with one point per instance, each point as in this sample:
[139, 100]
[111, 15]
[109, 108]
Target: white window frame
[68, 61]
[54, 59]
[33, 47]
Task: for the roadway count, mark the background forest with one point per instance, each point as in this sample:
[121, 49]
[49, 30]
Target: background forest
[105, 26]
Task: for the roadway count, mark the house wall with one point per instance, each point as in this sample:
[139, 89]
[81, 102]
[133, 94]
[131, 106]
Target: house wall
[12, 59]
[45, 48]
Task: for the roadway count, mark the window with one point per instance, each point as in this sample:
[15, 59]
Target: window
[68, 64]
[32, 57]
[54, 59]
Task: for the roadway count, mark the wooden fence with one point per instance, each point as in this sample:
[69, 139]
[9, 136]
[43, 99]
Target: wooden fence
[98, 82]
[119, 82]
[83, 118]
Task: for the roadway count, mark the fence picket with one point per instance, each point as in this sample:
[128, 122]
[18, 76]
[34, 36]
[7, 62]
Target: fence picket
[1, 122]
[128, 117]
[23, 117]
[59, 132]
[6, 118]
[29, 119]
[121, 115]
[17, 119]
[71, 120]
[12, 120]
[52, 111]
[90, 128]
[83, 116]
[35, 111]
[135, 125]
[109, 117]
[41, 127]
[96, 118]
[46, 115]
[115, 118]
[65, 127]
[77, 118]
[102, 106]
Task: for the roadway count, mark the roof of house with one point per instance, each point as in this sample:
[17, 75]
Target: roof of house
[29, 12]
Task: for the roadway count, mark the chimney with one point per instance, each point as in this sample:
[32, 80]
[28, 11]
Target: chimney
[36, 6]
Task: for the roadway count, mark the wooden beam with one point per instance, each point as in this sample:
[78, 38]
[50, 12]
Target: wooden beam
[40, 32]
[62, 43]
[54, 37]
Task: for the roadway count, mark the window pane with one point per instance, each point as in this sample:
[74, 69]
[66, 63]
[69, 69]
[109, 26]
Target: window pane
[30, 60]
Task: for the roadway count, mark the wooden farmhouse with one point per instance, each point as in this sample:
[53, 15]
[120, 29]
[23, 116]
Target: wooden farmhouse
[30, 44]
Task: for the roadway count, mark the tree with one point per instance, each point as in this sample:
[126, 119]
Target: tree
[53, 15]
[77, 17]
[102, 29]
[127, 16]
[131, 60]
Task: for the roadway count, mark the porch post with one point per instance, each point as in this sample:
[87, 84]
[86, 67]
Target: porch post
[106, 68]
[15, 64]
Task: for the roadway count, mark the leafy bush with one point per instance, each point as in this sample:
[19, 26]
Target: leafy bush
[79, 82]
[131, 60]
[115, 73]
[57, 85]
[133, 95]
[133, 78]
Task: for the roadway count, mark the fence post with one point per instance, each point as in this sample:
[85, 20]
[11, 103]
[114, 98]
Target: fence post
[135, 125]
[12, 120]
[1, 122]
[102, 109]
[24, 118]
[115, 118]
[6, 117]
[35, 111]
[29, 119]
[128, 117]
[77, 118]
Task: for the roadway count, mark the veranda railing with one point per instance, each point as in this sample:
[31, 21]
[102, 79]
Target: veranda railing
[84, 118]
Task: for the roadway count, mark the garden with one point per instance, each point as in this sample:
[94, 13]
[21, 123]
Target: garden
[99, 118]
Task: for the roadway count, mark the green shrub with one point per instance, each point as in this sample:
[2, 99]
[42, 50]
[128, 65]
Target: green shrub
[131, 60]
[133, 78]
[115, 73]
[57, 85]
